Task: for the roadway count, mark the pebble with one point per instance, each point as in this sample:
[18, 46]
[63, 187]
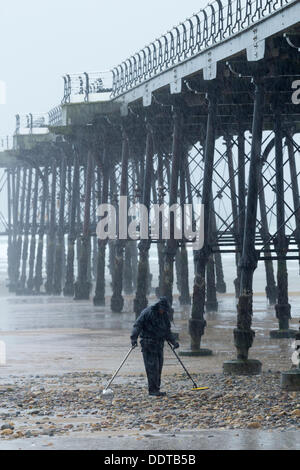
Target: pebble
[71, 402]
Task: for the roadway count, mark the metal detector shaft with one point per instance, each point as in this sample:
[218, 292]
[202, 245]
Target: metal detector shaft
[120, 366]
[187, 372]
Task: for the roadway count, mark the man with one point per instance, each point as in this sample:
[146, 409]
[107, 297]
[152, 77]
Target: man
[154, 327]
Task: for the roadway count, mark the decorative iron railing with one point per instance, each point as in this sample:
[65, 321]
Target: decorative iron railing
[85, 87]
[55, 116]
[6, 143]
[31, 122]
[213, 24]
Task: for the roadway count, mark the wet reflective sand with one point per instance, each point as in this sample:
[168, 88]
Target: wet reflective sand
[57, 335]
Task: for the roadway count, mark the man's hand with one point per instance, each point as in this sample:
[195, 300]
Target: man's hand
[134, 343]
[176, 346]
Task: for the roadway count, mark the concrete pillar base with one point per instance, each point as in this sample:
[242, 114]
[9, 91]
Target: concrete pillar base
[196, 353]
[24, 292]
[278, 334]
[290, 380]
[242, 367]
[185, 300]
[68, 290]
[221, 287]
[82, 290]
[211, 306]
[116, 304]
[98, 302]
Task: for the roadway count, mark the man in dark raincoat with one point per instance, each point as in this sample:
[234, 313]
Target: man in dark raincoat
[154, 328]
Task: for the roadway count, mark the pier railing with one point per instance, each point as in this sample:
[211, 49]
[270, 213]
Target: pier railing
[6, 142]
[85, 87]
[32, 123]
[55, 116]
[215, 23]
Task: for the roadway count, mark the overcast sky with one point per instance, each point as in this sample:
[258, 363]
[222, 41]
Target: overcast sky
[40, 40]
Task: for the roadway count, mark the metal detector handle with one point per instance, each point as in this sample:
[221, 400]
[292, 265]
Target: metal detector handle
[122, 363]
[188, 374]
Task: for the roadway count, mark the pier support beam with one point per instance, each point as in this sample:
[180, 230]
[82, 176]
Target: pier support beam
[26, 233]
[184, 298]
[282, 308]
[211, 304]
[294, 182]
[99, 297]
[60, 244]
[9, 222]
[30, 282]
[271, 289]
[160, 243]
[172, 244]
[197, 322]
[117, 300]
[141, 301]
[243, 334]
[234, 202]
[20, 229]
[220, 282]
[16, 175]
[82, 286]
[51, 241]
[241, 196]
[38, 279]
[69, 284]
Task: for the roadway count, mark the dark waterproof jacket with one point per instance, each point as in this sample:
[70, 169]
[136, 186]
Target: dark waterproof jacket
[154, 328]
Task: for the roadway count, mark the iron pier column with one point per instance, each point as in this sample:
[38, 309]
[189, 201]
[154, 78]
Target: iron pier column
[197, 321]
[38, 279]
[15, 212]
[234, 203]
[30, 282]
[82, 286]
[184, 298]
[282, 308]
[243, 334]
[9, 228]
[140, 302]
[117, 300]
[271, 289]
[51, 242]
[172, 243]
[69, 285]
[294, 181]
[20, 230]
[99, 298]
[26, 233]
[211, 303]
[241, 196]
[59, 252]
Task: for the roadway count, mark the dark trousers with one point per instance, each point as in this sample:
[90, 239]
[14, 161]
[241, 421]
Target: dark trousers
[153, 361]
